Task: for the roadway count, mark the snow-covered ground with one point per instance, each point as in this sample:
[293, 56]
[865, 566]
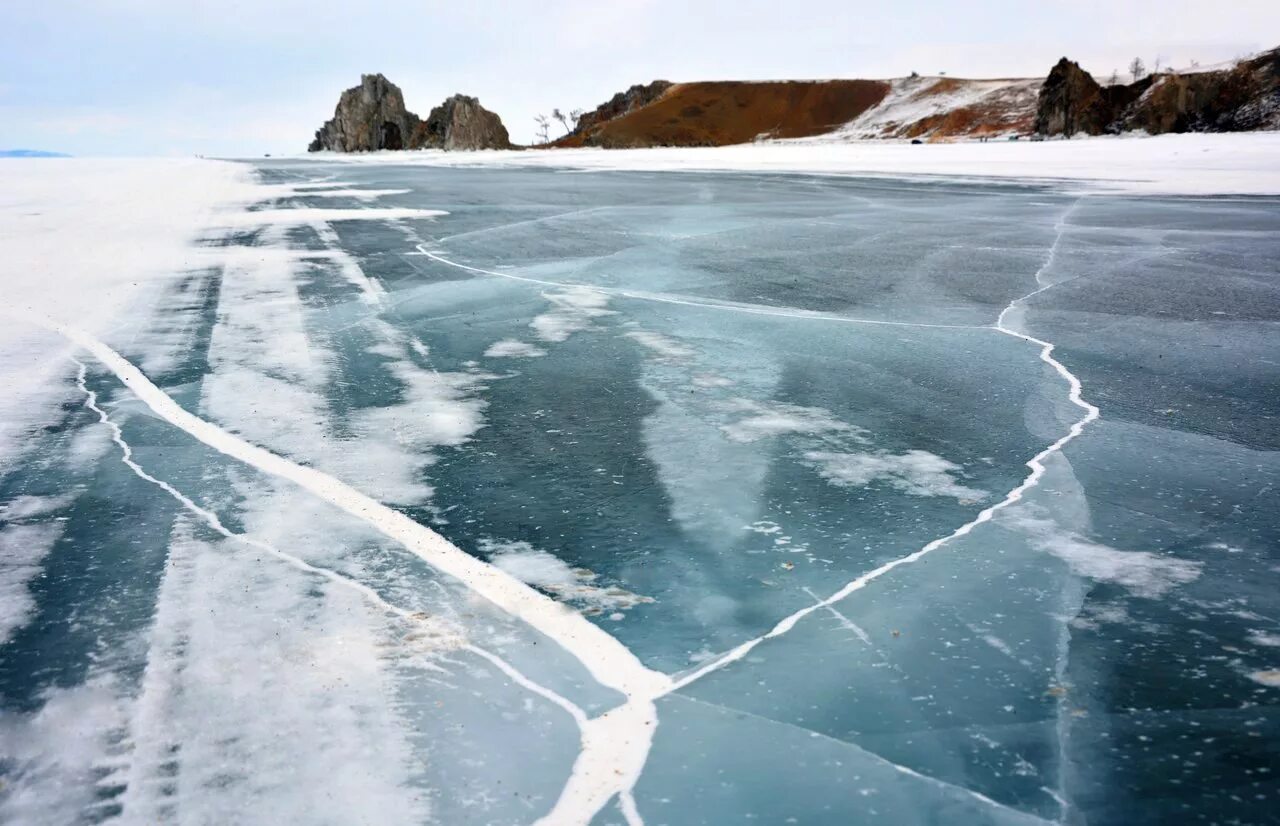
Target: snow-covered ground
[1195, 164]
[911, 100]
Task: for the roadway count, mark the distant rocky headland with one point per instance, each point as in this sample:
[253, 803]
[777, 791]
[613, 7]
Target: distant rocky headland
[372, 116]
[1244, 96]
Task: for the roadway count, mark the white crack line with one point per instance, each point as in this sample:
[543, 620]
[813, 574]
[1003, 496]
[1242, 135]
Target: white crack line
[615, 744]
[664, 298]
[212, 520]
[1036, 464]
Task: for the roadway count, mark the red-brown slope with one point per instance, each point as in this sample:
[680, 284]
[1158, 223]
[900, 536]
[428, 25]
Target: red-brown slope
[717, 113]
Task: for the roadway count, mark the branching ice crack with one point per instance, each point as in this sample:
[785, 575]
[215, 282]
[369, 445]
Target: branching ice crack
[212, 520]
[878, 758]
[1036, 464]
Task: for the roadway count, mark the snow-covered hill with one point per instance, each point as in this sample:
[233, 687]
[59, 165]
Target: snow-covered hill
[945, 107]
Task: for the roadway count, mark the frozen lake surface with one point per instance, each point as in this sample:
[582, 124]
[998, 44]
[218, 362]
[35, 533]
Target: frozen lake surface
[480, 496]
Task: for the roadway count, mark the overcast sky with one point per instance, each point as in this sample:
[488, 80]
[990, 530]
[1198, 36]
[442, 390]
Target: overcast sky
[244, 77]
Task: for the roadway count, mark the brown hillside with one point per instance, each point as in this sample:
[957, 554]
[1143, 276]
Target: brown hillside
[717, 113]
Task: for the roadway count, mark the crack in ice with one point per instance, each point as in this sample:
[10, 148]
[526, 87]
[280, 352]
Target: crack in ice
[615, 744]
[664, 298]
[1036, 464]
[212, 520]
[876, 757]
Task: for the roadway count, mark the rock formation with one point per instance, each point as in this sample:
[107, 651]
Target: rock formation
[372, 116]
[368, 117]
[1244, 97]
[620, 104]
[1072, 101]
[462, 123]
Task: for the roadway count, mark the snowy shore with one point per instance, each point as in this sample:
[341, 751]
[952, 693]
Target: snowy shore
[1192, 164]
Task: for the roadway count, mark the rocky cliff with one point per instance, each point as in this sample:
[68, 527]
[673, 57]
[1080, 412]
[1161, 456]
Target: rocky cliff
[620, 104]
[462, 123]
[372, 116]
[1244, 97]
[368, 117]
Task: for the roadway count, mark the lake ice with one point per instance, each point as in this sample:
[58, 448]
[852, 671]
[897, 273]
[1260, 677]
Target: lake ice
[466, 495]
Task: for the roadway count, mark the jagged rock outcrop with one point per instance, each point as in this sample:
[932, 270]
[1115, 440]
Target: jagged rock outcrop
[1071, 101]
[368, 117]
[620, 104]
[1244, 97]
[372, 116]
[462, 123]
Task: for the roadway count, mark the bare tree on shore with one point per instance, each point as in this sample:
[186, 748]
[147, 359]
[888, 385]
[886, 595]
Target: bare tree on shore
[1138, 69]
[556, 114]
[544, 124]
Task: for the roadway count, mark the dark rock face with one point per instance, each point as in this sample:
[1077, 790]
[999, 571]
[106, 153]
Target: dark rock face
[1071, 101]
[1245, 97]
[462, 123]
[620, 104]
[638, 95]
[372, 116]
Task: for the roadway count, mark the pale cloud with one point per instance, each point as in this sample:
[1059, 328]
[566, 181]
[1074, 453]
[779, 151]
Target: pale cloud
[261, 79]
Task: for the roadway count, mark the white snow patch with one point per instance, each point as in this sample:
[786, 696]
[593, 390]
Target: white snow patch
[1265, 638]
[915, 472]
[911, 99]
[26, 507]
[1143, 573]
[574, 308]
[710, 380]
[1189, 164]
[509, 348]
[311, 215]
[22, 549]
[761, 420]
[545, 571]
[55, 758]
[265, 711]
[1269, 678]
[664, 346]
